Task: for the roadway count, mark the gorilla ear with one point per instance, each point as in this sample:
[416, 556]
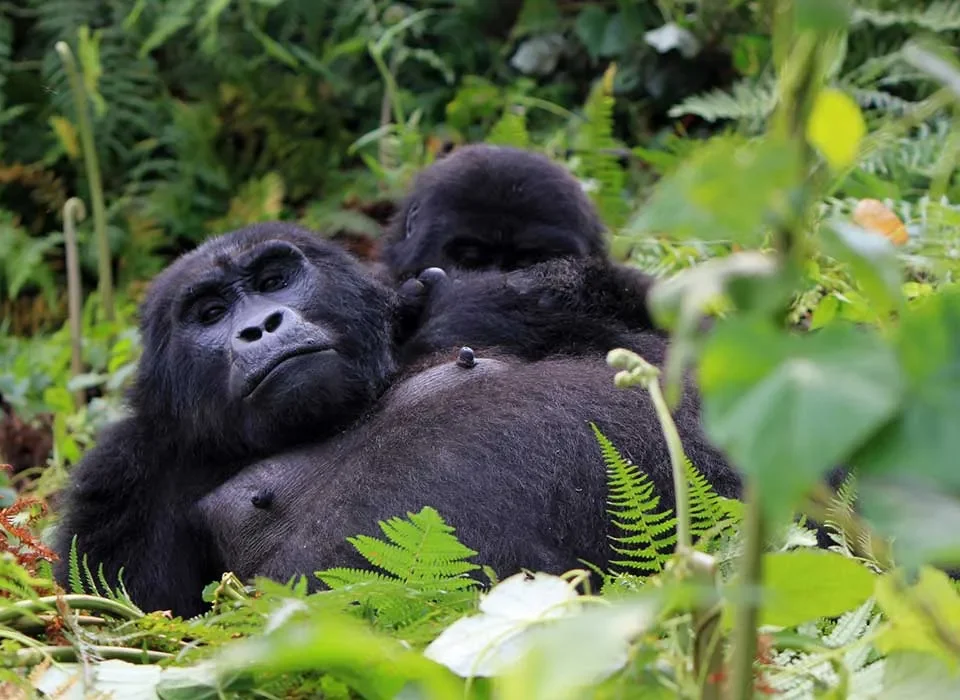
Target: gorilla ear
[411, 219]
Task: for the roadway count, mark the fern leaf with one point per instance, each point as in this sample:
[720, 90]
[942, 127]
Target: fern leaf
[710, 513]
[750, 101]
[88, 577]
[635, 509]
[599, 158]
[73, 575]
[510, 129]
[943, 16]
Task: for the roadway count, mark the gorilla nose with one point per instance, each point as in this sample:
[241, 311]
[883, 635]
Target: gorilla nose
[268, 323]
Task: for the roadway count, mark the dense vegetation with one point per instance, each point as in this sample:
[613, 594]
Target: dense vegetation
[794, 161]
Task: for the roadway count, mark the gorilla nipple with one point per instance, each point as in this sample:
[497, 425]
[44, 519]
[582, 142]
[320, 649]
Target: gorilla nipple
[466, 358]
[263, 499]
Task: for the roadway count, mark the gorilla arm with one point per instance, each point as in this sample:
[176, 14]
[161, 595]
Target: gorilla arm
[125, 506]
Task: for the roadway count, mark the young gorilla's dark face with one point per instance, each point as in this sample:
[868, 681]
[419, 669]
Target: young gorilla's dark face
[492, 208]
[262, 334]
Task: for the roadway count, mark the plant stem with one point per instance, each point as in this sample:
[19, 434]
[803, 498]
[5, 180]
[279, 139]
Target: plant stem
[94, 181]
[748, 613]
[74, 211]
[681, 491]
[84, 602]
[36, 655]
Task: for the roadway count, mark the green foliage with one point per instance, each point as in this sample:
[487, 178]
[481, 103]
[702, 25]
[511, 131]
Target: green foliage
[649, 530]
[424, 564]
[599, 154]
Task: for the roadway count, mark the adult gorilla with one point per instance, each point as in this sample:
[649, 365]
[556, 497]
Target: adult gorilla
[264, 346]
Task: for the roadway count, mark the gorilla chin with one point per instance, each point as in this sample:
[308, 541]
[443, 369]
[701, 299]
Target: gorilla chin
[317, 363]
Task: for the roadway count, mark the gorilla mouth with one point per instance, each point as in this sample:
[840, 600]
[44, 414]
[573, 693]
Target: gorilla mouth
[261, 375]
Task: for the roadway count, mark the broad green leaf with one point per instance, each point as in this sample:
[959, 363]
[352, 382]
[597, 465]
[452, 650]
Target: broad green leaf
[924, 616]
[786, 408]
[836, 128]
[910, 675]
[122, 679]
[806, 584]
[821, 15]
[923, 521]
[488, 643]
[872, 260]
[727, 190]
[590, 26]
[561, 666]
[924, 440]
[373, 665]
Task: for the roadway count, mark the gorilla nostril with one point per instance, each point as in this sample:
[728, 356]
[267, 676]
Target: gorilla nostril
[251, 334]
[273, 321]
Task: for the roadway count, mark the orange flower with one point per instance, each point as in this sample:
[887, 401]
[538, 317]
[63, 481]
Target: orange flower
[873, 215]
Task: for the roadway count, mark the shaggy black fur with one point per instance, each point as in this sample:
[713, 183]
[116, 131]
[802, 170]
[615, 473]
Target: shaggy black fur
[491, 208]
[268, 344]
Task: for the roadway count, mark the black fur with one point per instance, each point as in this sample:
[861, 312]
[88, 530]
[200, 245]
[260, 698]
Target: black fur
[559, 307]
[198, 416]
[504, 451]
[491, 208]
[194, 419]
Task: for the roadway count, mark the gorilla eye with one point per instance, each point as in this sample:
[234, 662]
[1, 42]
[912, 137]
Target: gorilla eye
[211, 313]
[271, 283]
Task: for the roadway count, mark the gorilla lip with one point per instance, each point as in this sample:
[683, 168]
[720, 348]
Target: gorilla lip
[261, 376]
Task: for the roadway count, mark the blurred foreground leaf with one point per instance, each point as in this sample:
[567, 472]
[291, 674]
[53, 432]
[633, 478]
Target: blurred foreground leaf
[787, 408]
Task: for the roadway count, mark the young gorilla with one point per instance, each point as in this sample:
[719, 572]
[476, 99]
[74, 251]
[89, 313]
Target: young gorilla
[491, 208]
[268, 345]
[486, 210]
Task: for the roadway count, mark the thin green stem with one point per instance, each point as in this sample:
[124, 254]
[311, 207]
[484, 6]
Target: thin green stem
[37, 655]
[79, 601]
[681, 489]
[748, 613]
[74, 211]
[94, 180]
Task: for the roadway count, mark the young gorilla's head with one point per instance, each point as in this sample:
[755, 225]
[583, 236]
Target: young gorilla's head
[259, 338]
[487, 207]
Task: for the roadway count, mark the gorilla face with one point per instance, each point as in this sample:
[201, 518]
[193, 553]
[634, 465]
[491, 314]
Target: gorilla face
[487, 207]
[258, 336]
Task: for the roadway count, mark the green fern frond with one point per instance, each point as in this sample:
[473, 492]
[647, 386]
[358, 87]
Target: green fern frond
[422, 552]
[710, 513]
[943, 16]
[88, 577]
[881, 101]
[73, 565]
[599, 148]
[510, 129]
[425, 571]
[635, 509]
[750, 101]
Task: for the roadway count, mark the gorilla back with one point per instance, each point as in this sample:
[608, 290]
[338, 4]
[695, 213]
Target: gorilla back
[502, 449]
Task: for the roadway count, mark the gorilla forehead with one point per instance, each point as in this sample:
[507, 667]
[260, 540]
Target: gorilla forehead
[508, 178]
[220, 254]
